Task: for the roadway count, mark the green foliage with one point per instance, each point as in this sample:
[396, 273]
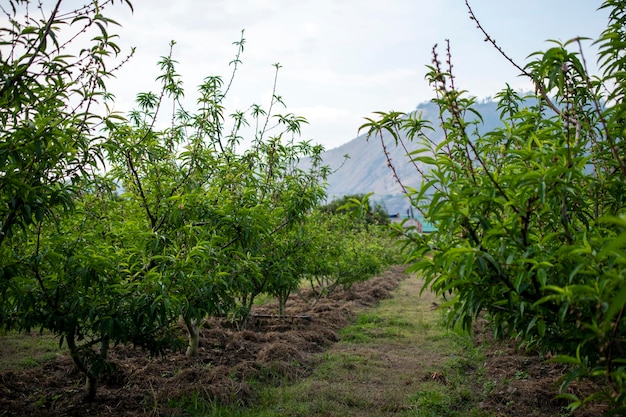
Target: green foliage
[52, 276]
[225, 224]
[360, 207]
[531, 216]
[47, 120]
[343, 250]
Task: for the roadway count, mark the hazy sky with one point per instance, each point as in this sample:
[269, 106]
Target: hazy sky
[341, 59]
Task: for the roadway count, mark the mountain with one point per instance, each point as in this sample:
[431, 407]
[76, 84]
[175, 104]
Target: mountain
[366, 168]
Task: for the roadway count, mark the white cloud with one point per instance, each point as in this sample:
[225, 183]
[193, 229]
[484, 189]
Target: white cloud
[342, 59]
[333, 79]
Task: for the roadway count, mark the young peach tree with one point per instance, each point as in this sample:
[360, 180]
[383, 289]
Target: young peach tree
[219, 215]
[56, 272]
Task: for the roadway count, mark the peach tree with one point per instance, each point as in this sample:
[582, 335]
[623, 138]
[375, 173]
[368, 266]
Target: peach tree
[219, 215]
[348, 242]
[530, 216]
[60, 270]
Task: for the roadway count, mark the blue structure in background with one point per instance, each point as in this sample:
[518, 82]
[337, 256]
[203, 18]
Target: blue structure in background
[426, 226]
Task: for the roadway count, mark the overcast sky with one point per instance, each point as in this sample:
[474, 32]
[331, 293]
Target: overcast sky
[341, 59]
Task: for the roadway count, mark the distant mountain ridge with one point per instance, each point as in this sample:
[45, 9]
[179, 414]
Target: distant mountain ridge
[366, 168]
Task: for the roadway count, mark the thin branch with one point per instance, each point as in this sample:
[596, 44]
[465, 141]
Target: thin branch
[600, 115]
[39, 49]
[539, 86]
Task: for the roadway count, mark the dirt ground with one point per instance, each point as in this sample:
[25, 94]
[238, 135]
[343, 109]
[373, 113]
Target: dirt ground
[525, 384]
[268, 349]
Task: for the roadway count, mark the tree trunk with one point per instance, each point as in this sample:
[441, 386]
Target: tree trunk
[282, 301]
[91, 377]
[194, 337]
[92, 387]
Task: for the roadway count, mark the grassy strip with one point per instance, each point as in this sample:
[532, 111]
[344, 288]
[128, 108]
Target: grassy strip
[27, 350]
[397, 359]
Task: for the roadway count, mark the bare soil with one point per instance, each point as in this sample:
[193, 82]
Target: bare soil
[269, 349]
[526, 384]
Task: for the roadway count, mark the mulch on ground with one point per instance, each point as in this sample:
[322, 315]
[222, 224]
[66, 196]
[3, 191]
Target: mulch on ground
[526, 384]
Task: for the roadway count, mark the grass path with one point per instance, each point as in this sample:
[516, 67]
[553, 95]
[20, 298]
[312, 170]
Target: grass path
[396, 360]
